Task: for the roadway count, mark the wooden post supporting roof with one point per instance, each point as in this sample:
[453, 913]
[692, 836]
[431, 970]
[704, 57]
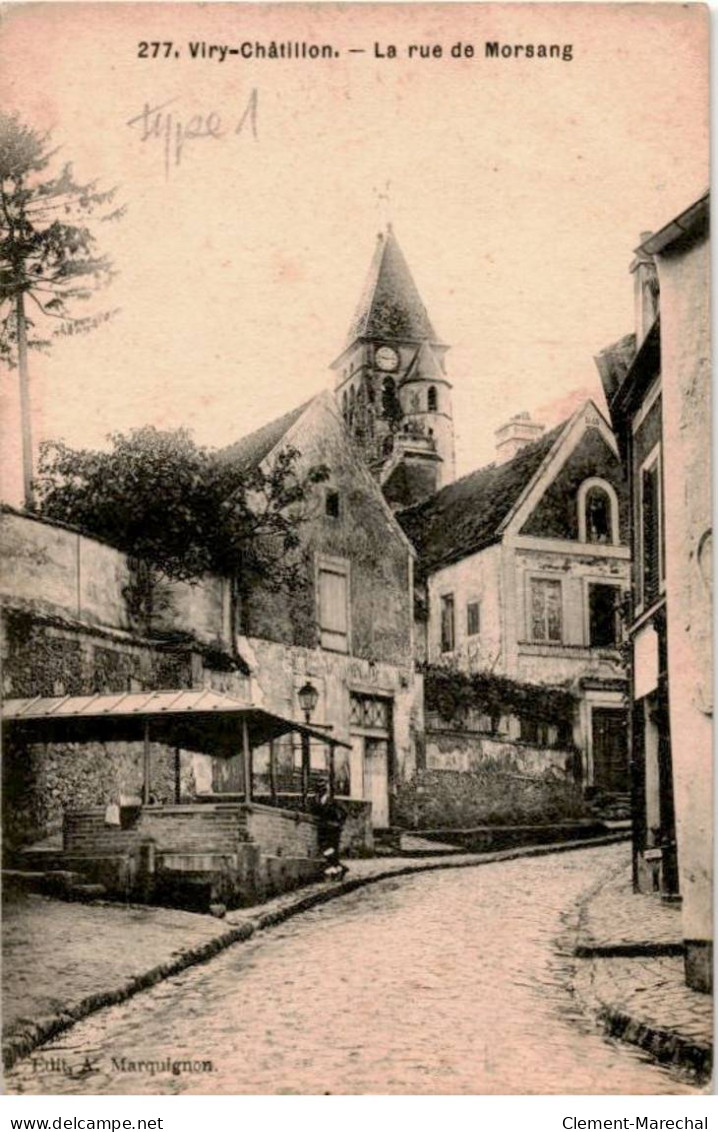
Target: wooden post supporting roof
[146, 764]
[246, 761]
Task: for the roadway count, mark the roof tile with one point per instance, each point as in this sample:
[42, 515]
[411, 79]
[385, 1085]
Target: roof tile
[465, 516]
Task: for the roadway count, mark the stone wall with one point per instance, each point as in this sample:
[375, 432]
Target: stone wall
[282, 833]
[228, 852]
[50, 569]
[173, 829]
[42, 782]
[470, 751]
[200, 828]
[494, 792]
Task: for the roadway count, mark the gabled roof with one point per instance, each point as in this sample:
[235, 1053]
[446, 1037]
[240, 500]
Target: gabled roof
[692, 222]
[390, 305]
[466, 516]
[251, 450]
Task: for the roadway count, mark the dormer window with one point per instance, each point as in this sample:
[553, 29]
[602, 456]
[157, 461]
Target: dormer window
[433, 399]
[597, 513]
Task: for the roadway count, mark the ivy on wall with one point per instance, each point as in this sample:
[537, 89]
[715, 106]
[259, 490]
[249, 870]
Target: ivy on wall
[494, 794]
[454, 693]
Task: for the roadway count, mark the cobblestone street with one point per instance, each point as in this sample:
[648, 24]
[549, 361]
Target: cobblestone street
[443, 982]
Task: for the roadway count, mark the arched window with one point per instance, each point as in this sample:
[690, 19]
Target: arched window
[597, 512]
[598, 516]
[433, 399]
[344, 404]
[391, 408]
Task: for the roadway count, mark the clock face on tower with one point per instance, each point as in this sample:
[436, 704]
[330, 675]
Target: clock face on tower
[387, 359]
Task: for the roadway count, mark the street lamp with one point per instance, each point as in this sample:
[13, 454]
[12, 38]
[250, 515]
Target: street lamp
[308, 699]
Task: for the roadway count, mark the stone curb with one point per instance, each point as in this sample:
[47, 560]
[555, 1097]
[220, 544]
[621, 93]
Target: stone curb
[667, 1046]
[629, 950]
[18, 1046]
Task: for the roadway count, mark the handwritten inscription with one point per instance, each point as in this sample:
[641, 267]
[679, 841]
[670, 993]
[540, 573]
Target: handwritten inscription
[173, 132]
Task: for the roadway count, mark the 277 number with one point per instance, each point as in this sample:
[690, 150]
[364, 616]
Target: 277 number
[154, 50]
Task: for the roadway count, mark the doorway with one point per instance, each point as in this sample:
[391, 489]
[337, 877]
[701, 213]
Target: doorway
[370, 723]
[610, 750]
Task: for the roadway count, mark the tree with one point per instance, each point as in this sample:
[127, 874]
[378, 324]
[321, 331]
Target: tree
[48, 260]
[181, 509]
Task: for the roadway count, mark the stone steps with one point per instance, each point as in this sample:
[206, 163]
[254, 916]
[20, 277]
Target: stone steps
[64, 884]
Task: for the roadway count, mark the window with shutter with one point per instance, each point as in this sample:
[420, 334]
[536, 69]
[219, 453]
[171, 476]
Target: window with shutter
[334, 608]
[447, 623]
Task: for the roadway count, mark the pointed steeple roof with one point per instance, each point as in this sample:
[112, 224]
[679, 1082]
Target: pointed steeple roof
[390, 304]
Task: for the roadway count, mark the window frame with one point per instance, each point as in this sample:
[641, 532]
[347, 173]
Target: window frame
[473, 602]
[448, 597]
[531, 639]
[583, 493]
[654, 457]
[615, 585]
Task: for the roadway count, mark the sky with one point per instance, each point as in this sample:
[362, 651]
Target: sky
[517, 188]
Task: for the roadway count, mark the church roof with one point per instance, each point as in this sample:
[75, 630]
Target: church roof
[252, 449]
[425, 365]
[466, 516]
[390, 305]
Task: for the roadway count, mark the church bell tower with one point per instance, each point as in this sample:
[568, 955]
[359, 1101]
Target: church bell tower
[391, 383]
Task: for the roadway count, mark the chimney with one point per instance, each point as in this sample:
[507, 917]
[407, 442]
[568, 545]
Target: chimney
[515, 435]
[645, 290]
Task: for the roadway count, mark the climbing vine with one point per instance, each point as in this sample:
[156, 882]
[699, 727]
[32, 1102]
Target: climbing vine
[453, 693]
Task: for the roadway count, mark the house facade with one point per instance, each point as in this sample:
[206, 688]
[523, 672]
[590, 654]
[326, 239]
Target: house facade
[346, 629]
[658, 388]
[524, 566]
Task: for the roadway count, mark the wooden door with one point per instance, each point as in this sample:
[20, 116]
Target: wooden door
[610, 750]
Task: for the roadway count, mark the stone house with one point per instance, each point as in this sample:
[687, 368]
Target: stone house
[522, 567]
[348, 628]
[657, 384]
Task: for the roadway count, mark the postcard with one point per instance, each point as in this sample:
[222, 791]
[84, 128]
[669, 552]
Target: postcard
[356, 549]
